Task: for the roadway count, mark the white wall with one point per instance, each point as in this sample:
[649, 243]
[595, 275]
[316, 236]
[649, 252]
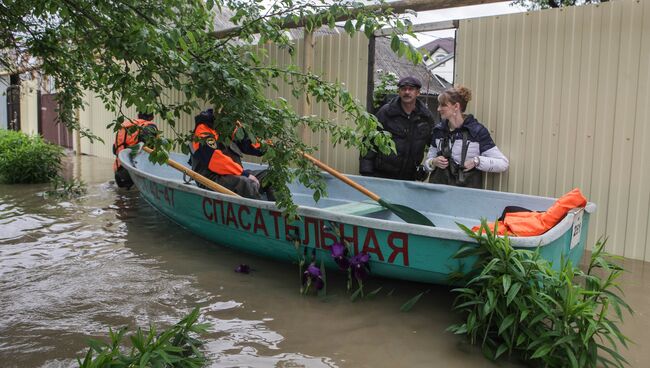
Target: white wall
[4, 83]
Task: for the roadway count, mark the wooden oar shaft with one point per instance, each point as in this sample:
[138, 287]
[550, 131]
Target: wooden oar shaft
[196, 176]
[341, 177]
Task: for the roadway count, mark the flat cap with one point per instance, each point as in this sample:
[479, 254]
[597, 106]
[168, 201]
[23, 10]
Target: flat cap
[409, 81]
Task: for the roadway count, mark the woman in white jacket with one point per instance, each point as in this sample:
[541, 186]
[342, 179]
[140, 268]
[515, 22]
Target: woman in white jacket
[461, 148]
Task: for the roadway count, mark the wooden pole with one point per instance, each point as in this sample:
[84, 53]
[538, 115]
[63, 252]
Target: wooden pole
[307, 67]
[196, 176]
[77, 135]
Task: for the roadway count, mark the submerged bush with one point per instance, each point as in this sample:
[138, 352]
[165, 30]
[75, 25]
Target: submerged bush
[63, 188]
[174, 347]
[516, 303]
[27, 159]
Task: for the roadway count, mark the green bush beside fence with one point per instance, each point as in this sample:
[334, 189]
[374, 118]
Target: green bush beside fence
[27, 159]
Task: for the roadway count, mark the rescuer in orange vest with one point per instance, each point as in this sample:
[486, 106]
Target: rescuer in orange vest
[222, 164]
[131, 132]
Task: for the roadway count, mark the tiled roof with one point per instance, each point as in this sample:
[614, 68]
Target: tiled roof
[388, 61]
[446, 44]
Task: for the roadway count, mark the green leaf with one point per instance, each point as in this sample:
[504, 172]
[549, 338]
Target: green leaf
[395, 43]
[506, 280]
[502, 349]
[521, 339]
[183, 44]
[572, 357]
[349, 27]
[541, 351]
[323, 292]
[356, 294]
[512, 293]
[374, 292]
[411, 302]
[524, 314]
[507, 322]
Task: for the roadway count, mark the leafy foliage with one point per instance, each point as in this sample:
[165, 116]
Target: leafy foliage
[174, 347]
[27, 159]
[516, 303]
[134, 53]
[63, 188]
[387, 85]
[546, 4]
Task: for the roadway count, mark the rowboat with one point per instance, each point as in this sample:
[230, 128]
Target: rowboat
[397, 249]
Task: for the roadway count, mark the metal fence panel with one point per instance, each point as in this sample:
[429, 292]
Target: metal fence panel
[564, 93]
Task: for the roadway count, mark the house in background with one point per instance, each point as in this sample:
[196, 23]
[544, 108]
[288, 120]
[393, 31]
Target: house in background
[441, 57]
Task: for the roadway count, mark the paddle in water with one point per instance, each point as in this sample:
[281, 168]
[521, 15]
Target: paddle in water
[405, 213]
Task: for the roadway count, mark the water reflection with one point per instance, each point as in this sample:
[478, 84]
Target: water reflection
[71, 269]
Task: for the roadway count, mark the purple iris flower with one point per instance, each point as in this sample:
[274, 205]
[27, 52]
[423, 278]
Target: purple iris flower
[339, 252]
[243, 268]
[360, 265]
[313, 275]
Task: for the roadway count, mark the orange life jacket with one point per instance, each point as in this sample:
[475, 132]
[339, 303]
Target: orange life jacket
[123, 139]
[220, 162]
[537, 223]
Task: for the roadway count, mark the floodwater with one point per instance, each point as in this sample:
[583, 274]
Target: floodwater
[70, 269]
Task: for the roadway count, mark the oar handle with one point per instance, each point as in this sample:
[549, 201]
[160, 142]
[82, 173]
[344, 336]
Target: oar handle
[341, 177]
[196, 176]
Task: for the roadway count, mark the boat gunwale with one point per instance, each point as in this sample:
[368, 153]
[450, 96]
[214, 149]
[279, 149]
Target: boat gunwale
[388, 225]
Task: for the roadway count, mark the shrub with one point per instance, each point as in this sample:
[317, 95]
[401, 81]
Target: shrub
[515, 302]
[27, 159]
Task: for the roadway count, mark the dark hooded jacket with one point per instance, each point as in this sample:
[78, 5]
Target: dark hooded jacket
[411, 134]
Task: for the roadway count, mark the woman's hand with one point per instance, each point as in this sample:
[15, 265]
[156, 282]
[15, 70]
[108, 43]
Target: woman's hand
[470, 164]
[255, 181]
[440, 162]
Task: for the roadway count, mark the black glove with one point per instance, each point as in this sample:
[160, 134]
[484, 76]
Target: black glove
[421, 173]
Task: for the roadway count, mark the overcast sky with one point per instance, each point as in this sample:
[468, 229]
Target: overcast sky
[473, 11]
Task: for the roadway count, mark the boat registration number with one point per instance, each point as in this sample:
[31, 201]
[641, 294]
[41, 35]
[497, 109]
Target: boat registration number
[577, 228]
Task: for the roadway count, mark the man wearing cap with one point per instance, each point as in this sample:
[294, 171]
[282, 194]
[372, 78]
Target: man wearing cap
[411, 126]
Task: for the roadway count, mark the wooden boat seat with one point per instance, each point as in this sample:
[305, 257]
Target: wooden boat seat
[357, 208]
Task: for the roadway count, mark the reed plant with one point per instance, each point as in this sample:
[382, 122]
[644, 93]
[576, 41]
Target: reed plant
[176, 346]
[64, 188]
[27, 159]
[516, 303]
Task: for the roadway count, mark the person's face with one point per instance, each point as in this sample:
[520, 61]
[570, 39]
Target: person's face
[448, 110]
[408, 94]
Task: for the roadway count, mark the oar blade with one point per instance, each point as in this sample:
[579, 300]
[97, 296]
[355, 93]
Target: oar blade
[407, 214]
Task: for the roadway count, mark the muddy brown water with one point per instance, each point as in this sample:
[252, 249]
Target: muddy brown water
[70, 269]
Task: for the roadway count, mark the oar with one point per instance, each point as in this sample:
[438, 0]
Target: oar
[196, 176]
[405, 213]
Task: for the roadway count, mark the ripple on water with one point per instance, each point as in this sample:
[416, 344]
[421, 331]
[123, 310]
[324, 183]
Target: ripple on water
[70, 270]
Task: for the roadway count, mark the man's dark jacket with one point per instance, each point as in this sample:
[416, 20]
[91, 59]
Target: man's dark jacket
[411, 134]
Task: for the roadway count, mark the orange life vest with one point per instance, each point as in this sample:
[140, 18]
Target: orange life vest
[123, 139]
[220, 162]
[537, 223]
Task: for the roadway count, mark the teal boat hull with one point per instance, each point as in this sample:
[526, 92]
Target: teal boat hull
[397, 250]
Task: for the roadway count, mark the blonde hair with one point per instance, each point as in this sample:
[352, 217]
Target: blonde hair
[458, 94]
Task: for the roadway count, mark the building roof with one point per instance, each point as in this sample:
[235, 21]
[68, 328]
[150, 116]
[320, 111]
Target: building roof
[446, 43]
[388, 61]
[222, 18]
